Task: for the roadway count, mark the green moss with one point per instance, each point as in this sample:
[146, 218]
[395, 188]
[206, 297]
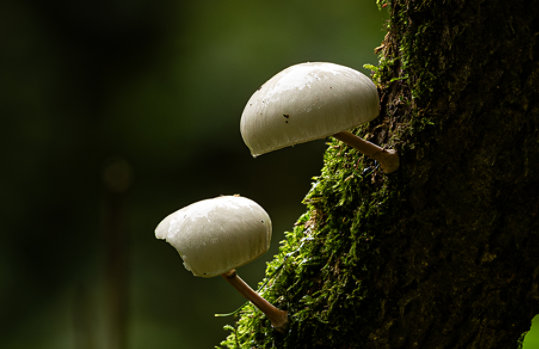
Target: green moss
[317, 274]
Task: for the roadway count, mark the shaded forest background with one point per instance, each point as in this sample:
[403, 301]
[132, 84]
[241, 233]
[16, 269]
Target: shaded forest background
[119, 113]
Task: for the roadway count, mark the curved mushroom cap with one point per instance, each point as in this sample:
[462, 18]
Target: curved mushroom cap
[216, 235]
[305, 102]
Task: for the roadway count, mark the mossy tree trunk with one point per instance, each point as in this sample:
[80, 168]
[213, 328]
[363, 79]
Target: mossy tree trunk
[443, 253]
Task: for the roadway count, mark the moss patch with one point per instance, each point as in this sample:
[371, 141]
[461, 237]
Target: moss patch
[318, 274]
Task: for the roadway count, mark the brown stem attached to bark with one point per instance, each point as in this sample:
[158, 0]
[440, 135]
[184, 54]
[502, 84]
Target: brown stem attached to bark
[388, 158]
[277, 317]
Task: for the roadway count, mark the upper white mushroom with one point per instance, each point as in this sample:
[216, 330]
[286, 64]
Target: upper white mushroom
[305, 102]
[214, 236]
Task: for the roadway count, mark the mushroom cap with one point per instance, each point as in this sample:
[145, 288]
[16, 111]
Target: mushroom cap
[304, 102]
[216, 235]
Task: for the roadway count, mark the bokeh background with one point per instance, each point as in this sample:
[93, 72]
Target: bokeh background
[117, 113]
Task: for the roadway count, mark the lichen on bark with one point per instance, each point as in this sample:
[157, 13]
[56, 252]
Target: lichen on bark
[443, 253]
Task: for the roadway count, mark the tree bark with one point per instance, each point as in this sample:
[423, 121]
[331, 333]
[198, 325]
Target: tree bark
[444, 252]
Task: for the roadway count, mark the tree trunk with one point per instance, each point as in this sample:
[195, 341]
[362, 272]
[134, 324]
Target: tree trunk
[444, 252]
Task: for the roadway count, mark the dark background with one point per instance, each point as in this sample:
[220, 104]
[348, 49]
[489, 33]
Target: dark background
[117, 113]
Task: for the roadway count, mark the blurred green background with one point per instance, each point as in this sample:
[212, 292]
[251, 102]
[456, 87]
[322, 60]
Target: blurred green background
[120, 112]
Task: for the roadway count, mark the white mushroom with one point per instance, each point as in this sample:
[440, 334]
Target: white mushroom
[215, 236]
[310, 101]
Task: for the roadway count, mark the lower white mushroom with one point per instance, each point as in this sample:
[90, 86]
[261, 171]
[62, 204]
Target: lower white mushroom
[215, 236]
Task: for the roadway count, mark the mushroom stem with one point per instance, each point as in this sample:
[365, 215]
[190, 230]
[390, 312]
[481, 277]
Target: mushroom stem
[388, 158]
[277, 317]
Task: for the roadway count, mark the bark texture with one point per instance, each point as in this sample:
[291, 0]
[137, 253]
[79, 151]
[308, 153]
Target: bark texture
[444, 252]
